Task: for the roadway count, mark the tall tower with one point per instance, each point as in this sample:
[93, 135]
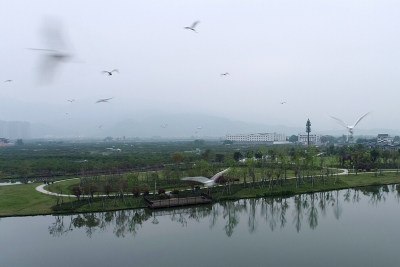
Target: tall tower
[308, 130]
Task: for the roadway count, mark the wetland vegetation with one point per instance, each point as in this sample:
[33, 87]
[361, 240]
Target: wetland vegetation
[112, 176]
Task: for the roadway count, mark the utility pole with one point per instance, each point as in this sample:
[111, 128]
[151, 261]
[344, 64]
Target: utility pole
[308, 130]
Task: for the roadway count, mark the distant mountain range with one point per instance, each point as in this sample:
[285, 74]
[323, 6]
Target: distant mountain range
[175, 126]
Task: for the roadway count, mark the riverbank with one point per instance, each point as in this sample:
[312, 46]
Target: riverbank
[24, 200]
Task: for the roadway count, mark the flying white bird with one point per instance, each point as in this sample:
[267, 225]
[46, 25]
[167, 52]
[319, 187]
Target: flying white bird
[55, 52]
[192, 28]
[349, 128]
[284, 102]
[208, 182]
[164, 125]
[71, 100]
[51, 59]
[105, 100]
[225, 74]
[109, 73]
[8, 81]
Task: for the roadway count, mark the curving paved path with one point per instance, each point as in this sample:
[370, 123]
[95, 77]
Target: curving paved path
[41, 189]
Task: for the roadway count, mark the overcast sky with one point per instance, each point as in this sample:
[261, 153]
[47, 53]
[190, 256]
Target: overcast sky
[338, 58]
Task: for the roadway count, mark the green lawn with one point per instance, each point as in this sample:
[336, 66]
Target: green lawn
[66, 186]
[290, 188]
[63, 187]
[365, 179]
[23, 199]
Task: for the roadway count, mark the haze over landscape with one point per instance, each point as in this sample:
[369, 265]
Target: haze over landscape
[199, 133]
[336, 58]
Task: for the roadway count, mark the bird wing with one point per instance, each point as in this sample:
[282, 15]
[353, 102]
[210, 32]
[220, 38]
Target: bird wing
[215, 177]
[362, 117]
[48, 68]
[200, 179]
[40, 49]
[115, 70]
[340, 122]
[103, 100]
[194, 24]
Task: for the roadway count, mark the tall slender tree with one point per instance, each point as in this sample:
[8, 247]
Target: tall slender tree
[308, 130]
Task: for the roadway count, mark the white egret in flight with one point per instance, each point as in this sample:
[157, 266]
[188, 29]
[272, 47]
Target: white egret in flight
[109, 73]
[55, 52]
[192, 28]
[105, 100]
[350, 128]
[208, 182]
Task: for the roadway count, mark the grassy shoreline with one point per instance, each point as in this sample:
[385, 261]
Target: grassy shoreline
[24, 200]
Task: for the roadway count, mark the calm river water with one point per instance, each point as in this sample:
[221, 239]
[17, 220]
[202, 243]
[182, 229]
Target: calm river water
[338, 228]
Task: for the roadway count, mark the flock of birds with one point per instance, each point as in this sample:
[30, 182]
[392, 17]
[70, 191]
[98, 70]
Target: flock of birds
[53, 57]
[350, 128]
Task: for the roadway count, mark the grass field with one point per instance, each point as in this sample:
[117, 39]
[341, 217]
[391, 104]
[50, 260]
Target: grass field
[63, 187]
[66, 187]
[18, 200]
[23, 199]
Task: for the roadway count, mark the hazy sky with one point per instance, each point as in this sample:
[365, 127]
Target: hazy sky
[323, 58]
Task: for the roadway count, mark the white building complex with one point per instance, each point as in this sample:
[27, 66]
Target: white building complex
[384, 138]
[315, 139]
[258, 137]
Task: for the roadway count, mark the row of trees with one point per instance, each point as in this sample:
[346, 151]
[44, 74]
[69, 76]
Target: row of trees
[275, 213]
[262, 168]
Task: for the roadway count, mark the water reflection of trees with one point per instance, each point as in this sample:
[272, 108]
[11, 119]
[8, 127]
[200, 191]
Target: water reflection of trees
[121, 222]
[271, 212]
[376, 194]
[231, 214]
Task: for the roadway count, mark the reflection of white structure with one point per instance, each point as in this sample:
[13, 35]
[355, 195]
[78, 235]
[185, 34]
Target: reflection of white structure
[258, 137]
[315, 139]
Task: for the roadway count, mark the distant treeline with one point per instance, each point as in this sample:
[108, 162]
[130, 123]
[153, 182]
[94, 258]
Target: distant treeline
[51, 160]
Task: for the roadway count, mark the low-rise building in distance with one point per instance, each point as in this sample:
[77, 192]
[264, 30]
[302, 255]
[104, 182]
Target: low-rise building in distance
[315, 139]
[384, 139]
[257, 138]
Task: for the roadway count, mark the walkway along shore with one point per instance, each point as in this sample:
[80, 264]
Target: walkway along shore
[41, 189]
